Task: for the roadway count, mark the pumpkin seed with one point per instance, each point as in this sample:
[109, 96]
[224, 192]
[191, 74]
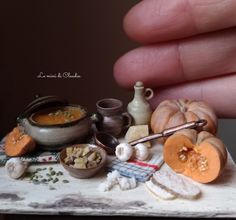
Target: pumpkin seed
[52, 188]
[55, 180]
[53, 173]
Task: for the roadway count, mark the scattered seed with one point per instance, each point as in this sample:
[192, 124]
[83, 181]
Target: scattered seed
[65, 181]
[44, 180]
[53, 173]
[36, 182]
[50, 168]
[52, 188]
[55, 180]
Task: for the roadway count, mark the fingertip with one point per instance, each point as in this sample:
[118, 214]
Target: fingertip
[129, 25]
[119, 70]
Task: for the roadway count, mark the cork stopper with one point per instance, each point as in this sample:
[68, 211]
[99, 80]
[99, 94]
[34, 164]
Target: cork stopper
[139, 84]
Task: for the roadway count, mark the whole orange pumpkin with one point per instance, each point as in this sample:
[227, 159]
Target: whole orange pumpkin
[170, 113]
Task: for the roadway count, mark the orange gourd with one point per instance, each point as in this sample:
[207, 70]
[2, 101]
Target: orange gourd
[18, 143]
[200, 156]
[171, 113]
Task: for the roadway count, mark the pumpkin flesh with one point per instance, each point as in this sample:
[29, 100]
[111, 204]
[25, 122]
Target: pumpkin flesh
[201, 157]
[18, 143]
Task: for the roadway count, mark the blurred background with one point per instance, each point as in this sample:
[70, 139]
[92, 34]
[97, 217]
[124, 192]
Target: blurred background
[51, 37]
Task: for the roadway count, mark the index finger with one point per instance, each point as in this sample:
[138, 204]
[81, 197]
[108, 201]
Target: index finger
[153, 21]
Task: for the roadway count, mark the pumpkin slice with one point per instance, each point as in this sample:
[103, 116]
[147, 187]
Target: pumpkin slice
[201, 157]
[18, 143]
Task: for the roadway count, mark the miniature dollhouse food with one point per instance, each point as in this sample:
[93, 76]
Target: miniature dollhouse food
[16, 168]
[200, 156]
[175, 184]
[157, 191]
[59, 115]
[53, 123]
[137, 132]
[141, 152]
[82, 158]
[170, 113]
[126, 183]
[17, 143]
[83, 161]
[114, 178]
[110, 182]
[124, 152]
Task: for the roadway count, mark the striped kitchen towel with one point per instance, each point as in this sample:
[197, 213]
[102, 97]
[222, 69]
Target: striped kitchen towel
[141, 170]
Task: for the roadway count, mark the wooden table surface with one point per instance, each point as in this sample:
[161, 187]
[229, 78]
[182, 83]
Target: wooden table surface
[82, 197]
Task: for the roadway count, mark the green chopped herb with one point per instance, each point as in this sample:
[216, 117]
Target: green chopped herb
[65, 181]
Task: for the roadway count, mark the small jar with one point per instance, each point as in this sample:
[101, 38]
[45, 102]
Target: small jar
[139, 108]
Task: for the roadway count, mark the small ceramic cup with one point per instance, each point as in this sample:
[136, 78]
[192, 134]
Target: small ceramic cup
[111, 118]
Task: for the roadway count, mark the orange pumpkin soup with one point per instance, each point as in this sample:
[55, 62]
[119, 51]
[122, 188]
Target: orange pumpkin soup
[56, 116]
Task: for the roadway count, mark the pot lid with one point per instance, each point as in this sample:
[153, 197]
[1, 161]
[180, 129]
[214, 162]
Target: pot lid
[41, 102]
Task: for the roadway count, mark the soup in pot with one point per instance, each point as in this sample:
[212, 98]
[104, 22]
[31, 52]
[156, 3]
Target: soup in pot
[59, 115]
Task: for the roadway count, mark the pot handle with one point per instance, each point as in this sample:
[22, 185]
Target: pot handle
[96, 117]
[128, 120]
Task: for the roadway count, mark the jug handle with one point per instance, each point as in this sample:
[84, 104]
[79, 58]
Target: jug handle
[96, 117]
[129, 119]
[147, 91]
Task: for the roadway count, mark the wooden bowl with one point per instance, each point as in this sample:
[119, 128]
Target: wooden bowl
[84, 173]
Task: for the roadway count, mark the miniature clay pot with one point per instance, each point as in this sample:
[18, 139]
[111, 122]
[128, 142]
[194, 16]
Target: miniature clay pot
[54, 137]
[111, 119]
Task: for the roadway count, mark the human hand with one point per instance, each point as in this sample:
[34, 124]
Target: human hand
[189, 51]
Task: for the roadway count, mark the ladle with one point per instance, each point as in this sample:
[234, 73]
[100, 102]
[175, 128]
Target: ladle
[167, 132]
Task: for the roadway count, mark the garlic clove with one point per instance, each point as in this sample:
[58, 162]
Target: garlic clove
[15, 167]
[124, 152]
[141, 152]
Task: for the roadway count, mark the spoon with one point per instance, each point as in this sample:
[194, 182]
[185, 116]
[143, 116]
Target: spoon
[170, 131]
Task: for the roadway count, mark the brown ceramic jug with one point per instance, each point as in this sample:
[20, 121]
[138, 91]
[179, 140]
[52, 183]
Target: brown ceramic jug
[111, 120]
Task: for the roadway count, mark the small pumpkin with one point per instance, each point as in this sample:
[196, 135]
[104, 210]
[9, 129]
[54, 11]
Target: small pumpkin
[200, 156]
[171, 113]
[18, 143]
